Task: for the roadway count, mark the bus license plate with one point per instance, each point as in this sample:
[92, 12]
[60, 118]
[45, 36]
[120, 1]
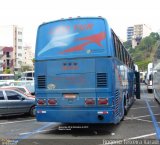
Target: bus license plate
[69, 96]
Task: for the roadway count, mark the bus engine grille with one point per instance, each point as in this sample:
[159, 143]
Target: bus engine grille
[41, 82]
[102, 80]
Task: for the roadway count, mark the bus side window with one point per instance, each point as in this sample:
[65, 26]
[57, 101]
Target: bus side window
[115, 45]
[119, 53]
[122, 52]
[125, 57]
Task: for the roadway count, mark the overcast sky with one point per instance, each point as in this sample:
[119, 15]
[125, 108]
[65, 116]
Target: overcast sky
[119, 13]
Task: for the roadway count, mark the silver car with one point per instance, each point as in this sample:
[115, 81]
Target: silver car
[15, 102]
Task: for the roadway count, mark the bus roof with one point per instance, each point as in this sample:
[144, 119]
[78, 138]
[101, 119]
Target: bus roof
[70, 18]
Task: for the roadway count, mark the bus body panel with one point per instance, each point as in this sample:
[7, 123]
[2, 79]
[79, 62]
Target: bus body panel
[75, 115]
[64, 74]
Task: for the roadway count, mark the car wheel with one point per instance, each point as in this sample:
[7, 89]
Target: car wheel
[32, 111]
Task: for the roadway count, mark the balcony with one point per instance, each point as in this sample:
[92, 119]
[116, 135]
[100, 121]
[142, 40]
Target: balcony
[8, 56]
[1, 53]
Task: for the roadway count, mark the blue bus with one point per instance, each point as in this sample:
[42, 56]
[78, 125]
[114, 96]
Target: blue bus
[83, 73]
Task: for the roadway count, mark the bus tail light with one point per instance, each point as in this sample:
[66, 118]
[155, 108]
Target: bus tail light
[102, 101]
[52, 102]
[89, 101]
[41, 102]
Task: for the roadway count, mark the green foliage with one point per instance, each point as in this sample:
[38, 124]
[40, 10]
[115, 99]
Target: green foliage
[142, 65]
[144, 52]
[7, 71]
[33, 60]
[128, 44]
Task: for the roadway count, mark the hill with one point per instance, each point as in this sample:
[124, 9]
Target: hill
[145, 51]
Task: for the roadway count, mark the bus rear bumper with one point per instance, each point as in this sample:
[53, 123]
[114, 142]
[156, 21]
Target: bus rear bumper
[75, 116]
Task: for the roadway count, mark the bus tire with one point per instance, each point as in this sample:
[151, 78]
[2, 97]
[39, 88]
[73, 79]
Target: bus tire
[122, 119]
[32, 111]
[125, 108]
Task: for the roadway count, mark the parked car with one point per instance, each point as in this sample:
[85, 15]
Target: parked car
[21, 89]
[29, 84]
[26, 79]
[15, 102]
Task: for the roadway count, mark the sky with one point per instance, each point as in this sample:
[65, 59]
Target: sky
[119, 13]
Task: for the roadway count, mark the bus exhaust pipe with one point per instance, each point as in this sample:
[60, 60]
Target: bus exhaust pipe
[100, 117]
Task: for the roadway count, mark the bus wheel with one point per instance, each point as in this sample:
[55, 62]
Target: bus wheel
[125, 107]
[122, 118]
[124, 110]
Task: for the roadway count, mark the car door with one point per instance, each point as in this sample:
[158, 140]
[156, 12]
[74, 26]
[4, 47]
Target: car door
[15, 102]
[3, 104]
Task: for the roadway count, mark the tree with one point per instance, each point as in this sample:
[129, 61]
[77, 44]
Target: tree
[144, 52]
[128, 44]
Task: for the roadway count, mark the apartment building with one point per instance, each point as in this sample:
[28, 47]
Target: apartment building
[12, 37]
[137, 32]
[1, 60]
[130, 31]
[28, 56]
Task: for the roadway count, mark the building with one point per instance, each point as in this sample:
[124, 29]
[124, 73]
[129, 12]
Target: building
[6, 59]
[12, 37]
[137, 33]
[28, 56]
[130, 31]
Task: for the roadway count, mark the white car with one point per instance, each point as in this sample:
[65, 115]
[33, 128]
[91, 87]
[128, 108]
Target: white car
[26, 79]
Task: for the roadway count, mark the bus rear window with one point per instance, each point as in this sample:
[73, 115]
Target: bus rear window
[74, 37]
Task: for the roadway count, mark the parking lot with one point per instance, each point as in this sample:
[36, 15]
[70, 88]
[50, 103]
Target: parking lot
[138, 124]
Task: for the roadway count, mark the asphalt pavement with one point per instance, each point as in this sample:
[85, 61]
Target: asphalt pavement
[138, 127]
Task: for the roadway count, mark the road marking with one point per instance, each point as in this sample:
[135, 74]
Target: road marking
[130, 118]
[145, 120]
[142, 136]
[16, 121]
[156, 126]
[143, 107]
[25, 133]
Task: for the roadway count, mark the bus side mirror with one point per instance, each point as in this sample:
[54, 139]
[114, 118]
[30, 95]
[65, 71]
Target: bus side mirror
[137, 85]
